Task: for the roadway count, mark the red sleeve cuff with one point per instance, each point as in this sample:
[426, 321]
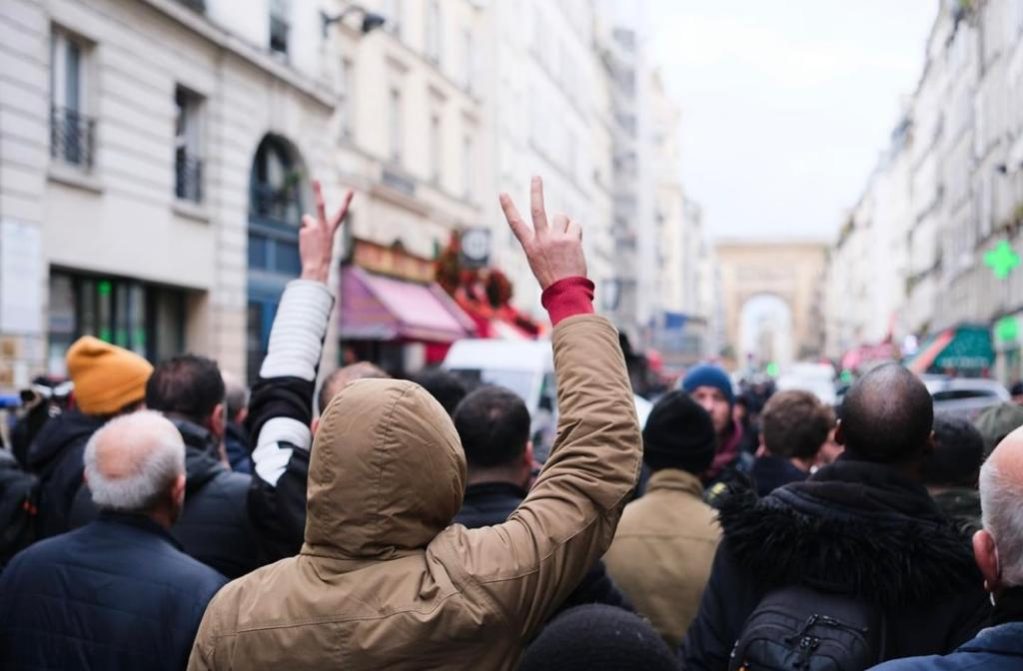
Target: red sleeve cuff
[567, 298]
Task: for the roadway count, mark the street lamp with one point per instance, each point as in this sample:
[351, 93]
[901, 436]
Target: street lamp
[370, 20]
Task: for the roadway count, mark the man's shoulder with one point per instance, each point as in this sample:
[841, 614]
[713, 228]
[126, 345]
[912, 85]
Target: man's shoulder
[42, 553]
[674, 513]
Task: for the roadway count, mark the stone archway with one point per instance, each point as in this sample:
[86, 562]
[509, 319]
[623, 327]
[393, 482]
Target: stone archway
[765, 331]
[791, 272]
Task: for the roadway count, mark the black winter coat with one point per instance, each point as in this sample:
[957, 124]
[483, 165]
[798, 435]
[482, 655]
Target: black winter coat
[116, 594]
[215, 526]
[770, 472]
[236, 444]
[489, 503]
[55, 456]
[854, 528]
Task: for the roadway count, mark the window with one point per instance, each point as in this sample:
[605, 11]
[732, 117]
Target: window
[71, 130]
[280, 25]
[345, 109]
[145, 318]
[435, 149]
[467, 167]
[433, 32]
[187, 162]
[395, 124]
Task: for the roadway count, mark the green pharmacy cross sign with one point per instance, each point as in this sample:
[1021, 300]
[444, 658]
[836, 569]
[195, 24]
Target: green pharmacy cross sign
[1007, 329]
[1002, 260]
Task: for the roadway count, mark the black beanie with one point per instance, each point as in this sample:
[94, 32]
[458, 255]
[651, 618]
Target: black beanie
[598, 637]
[679, 434]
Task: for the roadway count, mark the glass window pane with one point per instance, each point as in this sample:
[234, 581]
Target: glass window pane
[88, 323]
[121, 314]
[105, 310]
[257, 252]
[253, 340]
[137, 318]
[286, 259]
[72, 77]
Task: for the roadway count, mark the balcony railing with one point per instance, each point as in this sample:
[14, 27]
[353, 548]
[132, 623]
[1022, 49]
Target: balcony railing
[275, 206]
[72, 137]
[187, 176]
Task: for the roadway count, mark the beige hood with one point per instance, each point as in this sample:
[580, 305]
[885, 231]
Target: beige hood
[386, 475]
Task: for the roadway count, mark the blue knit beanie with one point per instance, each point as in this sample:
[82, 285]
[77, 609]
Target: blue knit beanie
[709, 375]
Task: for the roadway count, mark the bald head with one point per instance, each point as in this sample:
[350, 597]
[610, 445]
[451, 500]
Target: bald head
[133, 462]
[342, 377]
[887, 417]
[1001, 502]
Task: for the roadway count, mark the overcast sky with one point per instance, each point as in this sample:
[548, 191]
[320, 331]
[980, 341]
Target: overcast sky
[786, 105]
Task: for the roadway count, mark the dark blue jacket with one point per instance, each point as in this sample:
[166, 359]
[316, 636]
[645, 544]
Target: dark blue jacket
[215, 526]
[994, 649]
[115, 594]
[236, 444]
[997, 648]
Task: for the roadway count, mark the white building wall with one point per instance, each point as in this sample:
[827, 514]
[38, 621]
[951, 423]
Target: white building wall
[121, 218]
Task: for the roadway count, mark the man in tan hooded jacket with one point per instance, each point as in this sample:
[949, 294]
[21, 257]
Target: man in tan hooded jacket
[382, 580]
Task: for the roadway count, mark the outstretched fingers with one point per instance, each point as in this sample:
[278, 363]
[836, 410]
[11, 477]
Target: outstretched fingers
[342, 212]
[511, 214]
[537, 207]
[321, 206]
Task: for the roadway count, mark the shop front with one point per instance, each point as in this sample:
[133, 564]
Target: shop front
[143, 317]
[393, 314]
[964, 351]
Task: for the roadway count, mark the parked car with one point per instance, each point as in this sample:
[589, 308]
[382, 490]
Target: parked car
[964, 397]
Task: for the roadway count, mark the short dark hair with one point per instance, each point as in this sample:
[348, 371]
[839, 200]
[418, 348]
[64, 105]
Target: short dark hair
[187, 385]
[795, 424]
[957, 456]
[446, 387]
[342, 377]
[887, 416]
[493, 425]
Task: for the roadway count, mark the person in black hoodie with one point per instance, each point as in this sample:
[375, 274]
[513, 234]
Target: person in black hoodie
[215, 526]
[493, 425]
[109, 381]
[863, 527]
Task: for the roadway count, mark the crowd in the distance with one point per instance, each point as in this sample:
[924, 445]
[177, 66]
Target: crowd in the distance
[172, 520]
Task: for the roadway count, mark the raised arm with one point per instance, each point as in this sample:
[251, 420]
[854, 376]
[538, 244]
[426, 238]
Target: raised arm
[281, 408]
[533, 561]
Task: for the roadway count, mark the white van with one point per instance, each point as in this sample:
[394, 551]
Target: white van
[525, 367]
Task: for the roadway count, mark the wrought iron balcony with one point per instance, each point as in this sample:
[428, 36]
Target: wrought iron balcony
[72, 137]
[187, 176]
[275, 206]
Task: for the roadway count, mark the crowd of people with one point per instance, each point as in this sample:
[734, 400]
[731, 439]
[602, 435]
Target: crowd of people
[170, 519]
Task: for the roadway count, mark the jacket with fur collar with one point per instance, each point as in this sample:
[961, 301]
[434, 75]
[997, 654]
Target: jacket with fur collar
[854, 528]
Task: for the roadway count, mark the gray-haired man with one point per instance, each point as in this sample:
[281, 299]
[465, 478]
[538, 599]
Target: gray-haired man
[117, 593]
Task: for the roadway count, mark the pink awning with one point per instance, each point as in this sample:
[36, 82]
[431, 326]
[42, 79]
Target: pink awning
[375, 307]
